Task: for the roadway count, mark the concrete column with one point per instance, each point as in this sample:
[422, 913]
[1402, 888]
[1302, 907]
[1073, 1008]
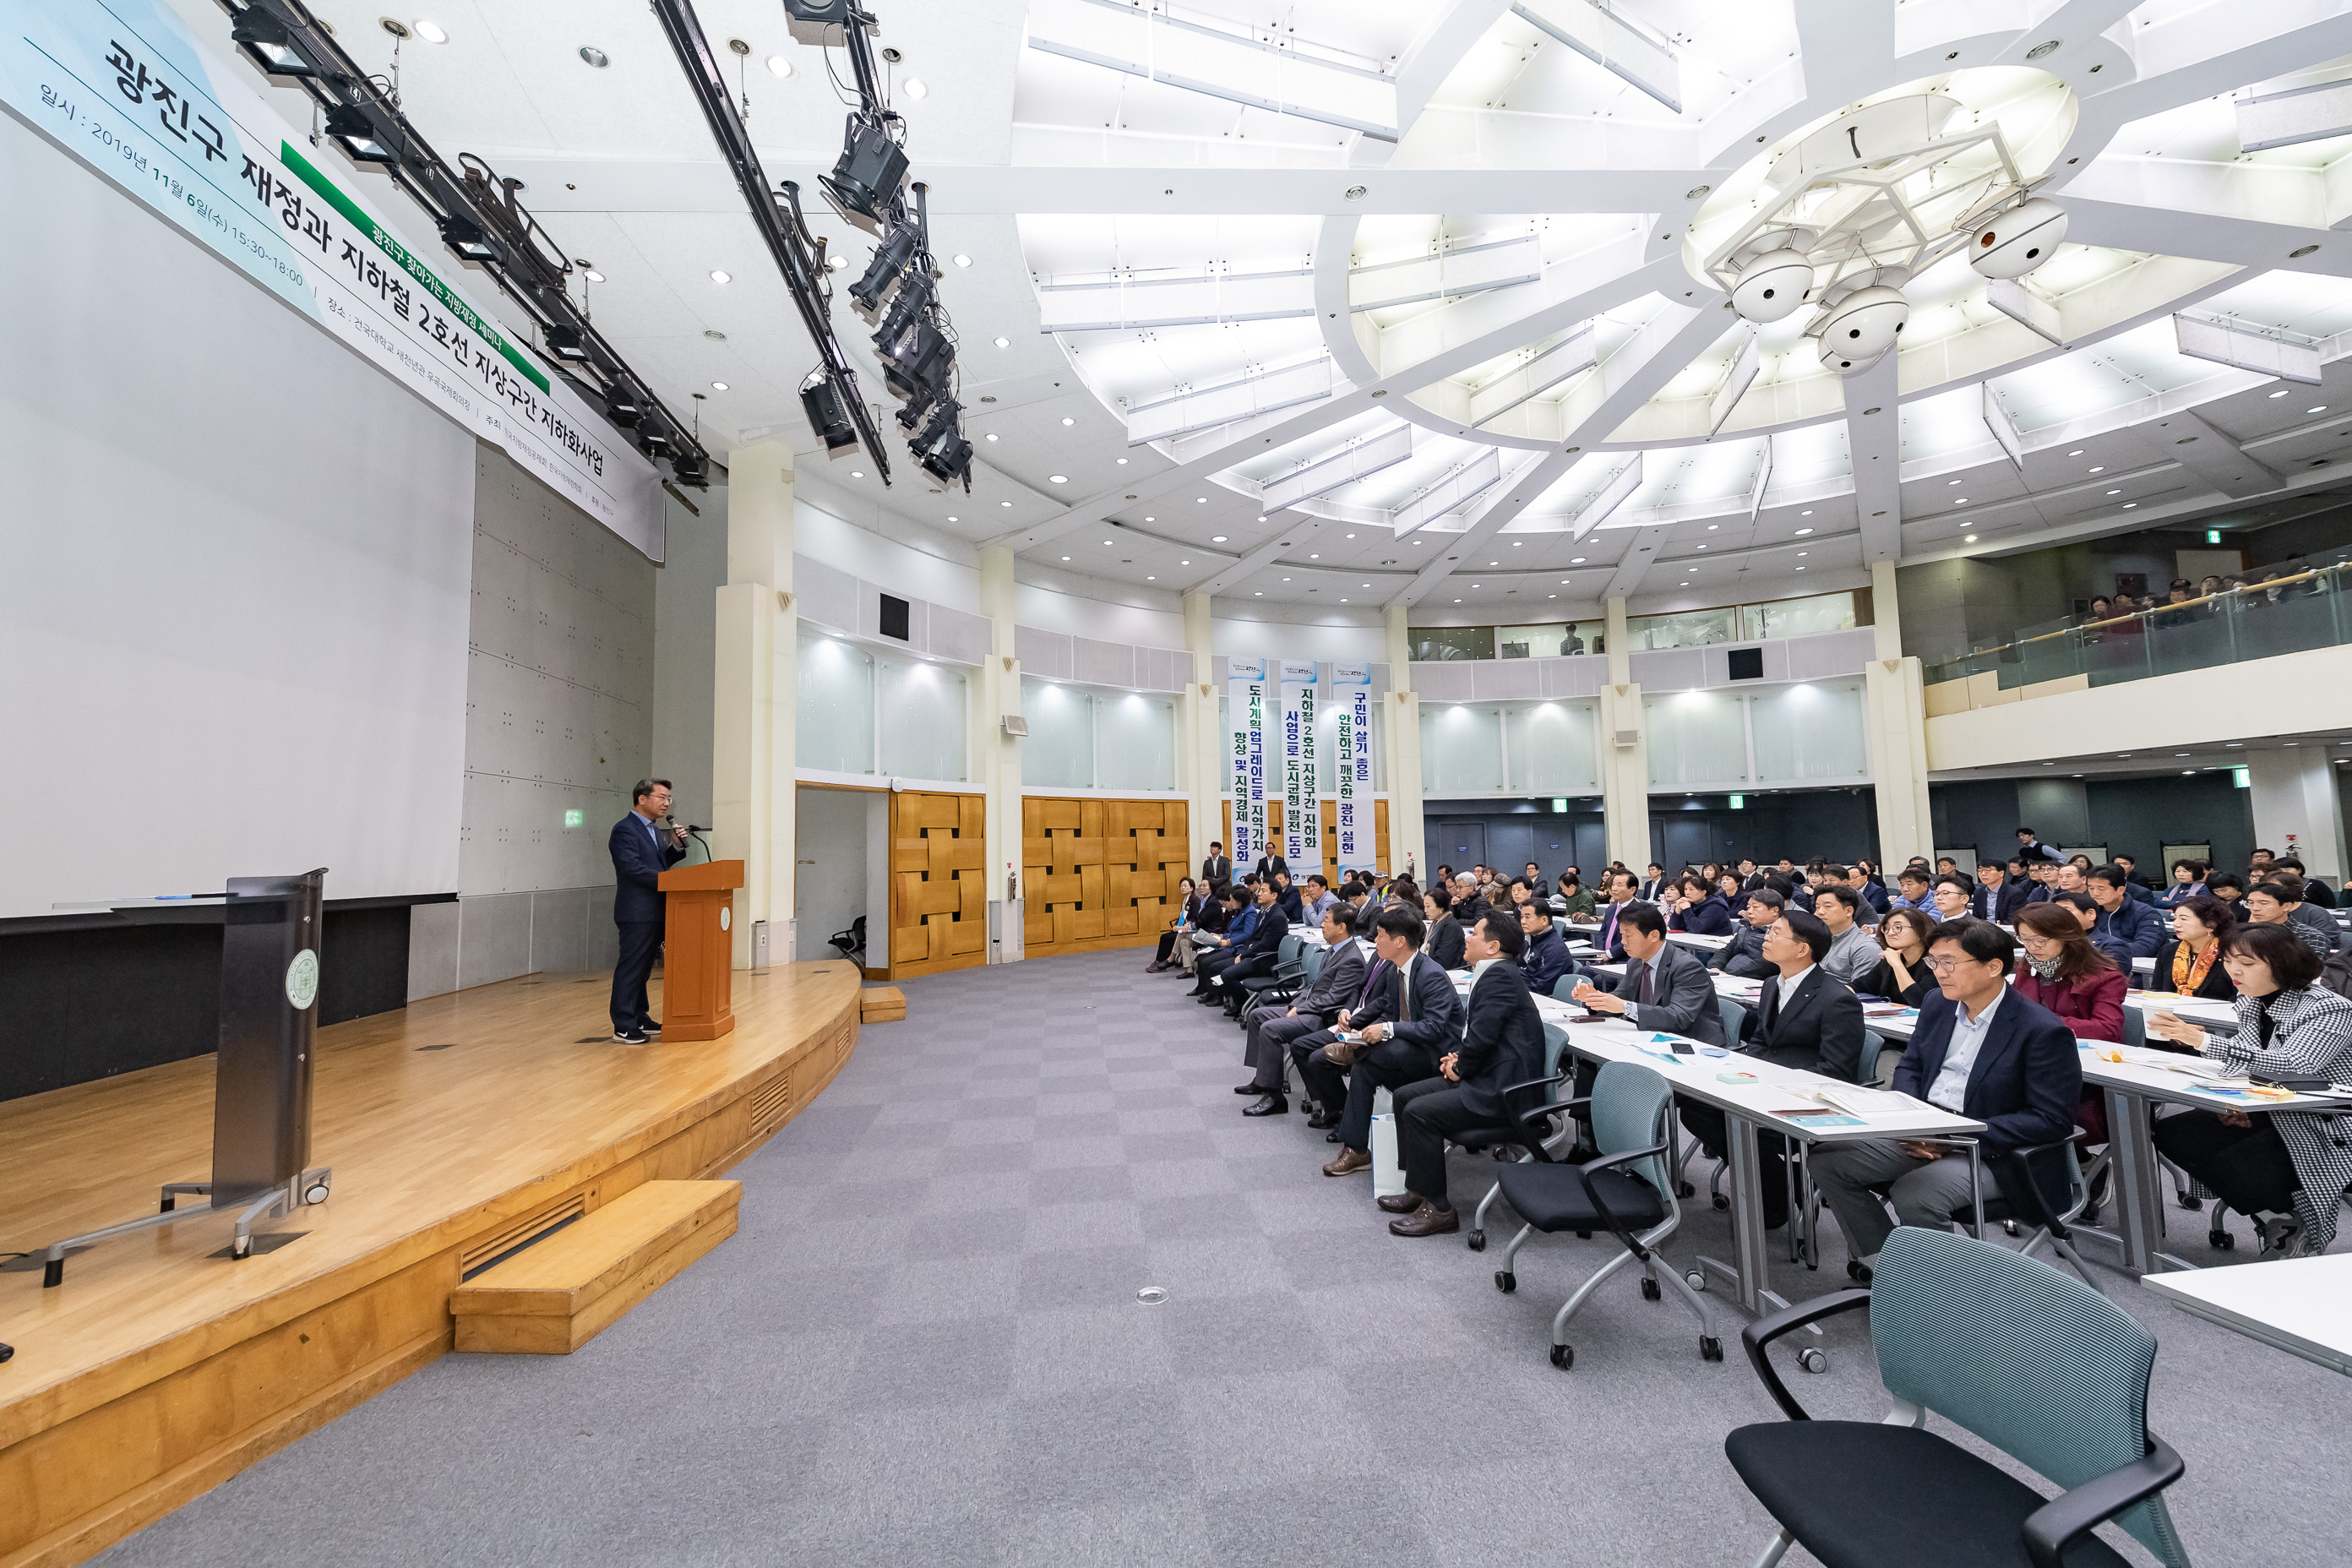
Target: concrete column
[1895, 719]
[755, 685]
[1401, 720]
[1201, 760]
[1624, 752]
[997, 753]
[2297, 810]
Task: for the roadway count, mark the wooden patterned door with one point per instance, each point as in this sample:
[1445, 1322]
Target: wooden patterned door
[938, 882]
[1099, 873]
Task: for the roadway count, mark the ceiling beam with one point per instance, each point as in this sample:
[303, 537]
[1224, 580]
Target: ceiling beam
[2205, 236]
[1636, 373]
[1874, 433]
[1295, 529]
[1531, 481]
[2186, 437]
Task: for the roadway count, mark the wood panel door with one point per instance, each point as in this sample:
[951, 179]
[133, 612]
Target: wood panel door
[938, 882]
[1099, 873]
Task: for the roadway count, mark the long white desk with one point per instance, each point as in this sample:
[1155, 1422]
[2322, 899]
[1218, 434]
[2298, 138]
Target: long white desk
[2302, 1305]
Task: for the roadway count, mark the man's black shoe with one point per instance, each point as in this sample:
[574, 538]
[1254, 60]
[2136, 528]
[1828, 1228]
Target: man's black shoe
[1268, 1105]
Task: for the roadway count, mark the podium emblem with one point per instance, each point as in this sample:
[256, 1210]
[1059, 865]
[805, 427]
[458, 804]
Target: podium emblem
[302, 980]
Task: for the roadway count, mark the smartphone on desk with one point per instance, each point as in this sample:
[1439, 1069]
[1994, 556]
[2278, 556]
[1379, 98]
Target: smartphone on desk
[1683, 1048]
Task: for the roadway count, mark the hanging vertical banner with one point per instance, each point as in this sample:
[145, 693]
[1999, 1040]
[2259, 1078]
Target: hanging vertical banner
[1351, 690]
[124, 85]
[1302, 804]
[1245, 700]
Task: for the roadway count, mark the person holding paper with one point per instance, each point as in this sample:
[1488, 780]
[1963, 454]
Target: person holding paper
[1389, 1049]
[1665, 987]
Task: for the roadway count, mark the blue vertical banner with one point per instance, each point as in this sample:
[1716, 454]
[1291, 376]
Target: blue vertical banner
[1302, 800]
[1352, 768]
[1245, 703]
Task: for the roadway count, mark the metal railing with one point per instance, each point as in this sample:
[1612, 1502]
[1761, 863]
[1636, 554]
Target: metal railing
[2263, 615]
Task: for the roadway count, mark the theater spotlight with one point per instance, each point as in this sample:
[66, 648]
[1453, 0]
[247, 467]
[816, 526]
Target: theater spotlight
[916, 366]
[949, 462]
[692, 470]
[352, 128]
[564, 343]
[826, 414]
[655, 444]
[624, 408]
[866, 181]
[890, 258]
[269, 45]
[824, 22]
[908, 306]
[465, 236]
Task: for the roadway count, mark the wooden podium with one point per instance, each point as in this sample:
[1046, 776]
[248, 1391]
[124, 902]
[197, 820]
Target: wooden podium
[699, 950]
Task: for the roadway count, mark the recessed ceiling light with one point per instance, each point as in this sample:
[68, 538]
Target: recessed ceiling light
[855, 474]
[1260, 594]
[1069, 422]
[1261, 516]
[1574, 561]
[2076, 453]
[1951, 481]
[1800, 569]
[961, 259]
[779, 65]
[2321, 409]
[2115, 492]
[1286, 579]
[594, 55]
[1803, 552]
[2129, 504]
[1105, 541]
[592, 276]
[1123, 459]
[1960, 501]
[2282, 391]
[1150, 578]
[836, 261]
[1062, 480]
[1685, 584]
[2101, 469]
[1066, 558]
[1969, 539]
[1152, 520]
[717, 387]
[1004, 503]
[992, 435]
[718, 277]
[1122, 462]
[952, 518]
[2239, 745]
[1311, 556]
[1803, 531]
[1183, 563]
[1713, 526]
[1701, 547]
[431, 32]
[1214, 539]
[916, 88]
[1804, 515]
[1004, 343]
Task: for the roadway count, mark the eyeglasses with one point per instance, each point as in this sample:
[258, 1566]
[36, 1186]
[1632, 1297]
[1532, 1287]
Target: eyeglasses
[1946, 965]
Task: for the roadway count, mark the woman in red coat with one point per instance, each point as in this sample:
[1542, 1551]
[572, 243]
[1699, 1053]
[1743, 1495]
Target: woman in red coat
[2062, 972]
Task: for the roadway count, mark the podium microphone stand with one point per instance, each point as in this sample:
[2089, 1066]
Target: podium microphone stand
[270, 933]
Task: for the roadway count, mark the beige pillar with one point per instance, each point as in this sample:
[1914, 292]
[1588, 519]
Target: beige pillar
[1202, 760]
[755, 687]
[1401, 720]
[998, 754]
[1624, 752]
[1894, 715]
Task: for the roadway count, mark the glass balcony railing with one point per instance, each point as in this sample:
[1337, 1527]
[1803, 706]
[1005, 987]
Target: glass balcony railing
[2283, 611]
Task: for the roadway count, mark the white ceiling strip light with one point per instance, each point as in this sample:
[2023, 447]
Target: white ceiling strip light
[1451, 493]
[1192, 300]
[1571, 355]
[1612, 41]
[1343, 466]
[2269, 350]
[1202, 407]
[1448, 274]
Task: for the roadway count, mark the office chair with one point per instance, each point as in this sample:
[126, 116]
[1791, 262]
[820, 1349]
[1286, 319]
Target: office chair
[1626, 1192]
[1518, 1136]
[852, 941]
[1735, 1020]
[2009, 1347]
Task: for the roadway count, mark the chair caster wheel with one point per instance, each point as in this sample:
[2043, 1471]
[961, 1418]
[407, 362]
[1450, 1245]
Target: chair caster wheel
[1684, 1190]
[1505, 1282]
[1816, 1361]
[1721, 1202]
[1563, 1356]
[1475, 1241]
[1696, 1279]
[2222, 1241]
[2189, 1201]
[2008, 1228]
[1710, 1348]
[1650, 1291]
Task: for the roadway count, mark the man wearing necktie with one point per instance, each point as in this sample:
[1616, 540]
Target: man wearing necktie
[641, 853]
[1394, 1048]
[1373, 994]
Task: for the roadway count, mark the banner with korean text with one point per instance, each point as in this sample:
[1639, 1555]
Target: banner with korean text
[1302, 801]
[1352, 691]
[125, 87]
[1245, 701]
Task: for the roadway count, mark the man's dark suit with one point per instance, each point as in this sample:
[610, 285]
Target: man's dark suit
[1267, 865]
[1272, 1028]
[2000, 904]
[1819, 1029]
[1217, 870]
[1502, 1044]
[1444, 944]
[1681, 999]
[1375, 997]
[1606, 938]
[1255, 953]
[637, 866]
[1425, 1013]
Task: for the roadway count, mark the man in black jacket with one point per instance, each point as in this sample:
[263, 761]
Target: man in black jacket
[1467, 905]
[1375, 997]
[1222, 971]
[1217, 870]
[1545, 960]
[1274, 1025]
[1502, 1044]
[1996, 898]
[1416, 1021]
[1744, 954]
[1806, 1018]
[641, 853]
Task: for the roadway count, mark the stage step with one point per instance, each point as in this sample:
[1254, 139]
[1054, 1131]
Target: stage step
[558, 1294]
[881, 1004]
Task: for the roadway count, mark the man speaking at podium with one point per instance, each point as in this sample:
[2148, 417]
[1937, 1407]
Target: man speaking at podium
[641, 853]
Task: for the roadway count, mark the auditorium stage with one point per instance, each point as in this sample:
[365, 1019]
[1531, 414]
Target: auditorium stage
[457, 1128]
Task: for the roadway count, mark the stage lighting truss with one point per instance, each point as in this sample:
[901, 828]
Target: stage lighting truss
[1865, 203]
[476, 214]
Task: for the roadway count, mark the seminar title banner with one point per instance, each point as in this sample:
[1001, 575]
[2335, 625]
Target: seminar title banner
[124, 87]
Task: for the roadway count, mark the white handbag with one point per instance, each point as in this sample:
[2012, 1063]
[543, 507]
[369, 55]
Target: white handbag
[1388, 1176]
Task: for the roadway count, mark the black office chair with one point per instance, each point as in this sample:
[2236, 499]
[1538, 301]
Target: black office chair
[851, 942]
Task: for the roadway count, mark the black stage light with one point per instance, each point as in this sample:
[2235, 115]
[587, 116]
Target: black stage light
[465, 236]
[865, 182]
[913, 298]
[827, 415]
[949, 462]
[564, 342]
[655, 443]
[889, 260]
[692, 469]
[267, 42]
[624, 408]
[352, 128]
[916, 366]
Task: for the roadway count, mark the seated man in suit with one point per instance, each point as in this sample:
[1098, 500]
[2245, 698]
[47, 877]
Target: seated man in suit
[1617, 896]
[641, 853]
[1979, 1051]
[1257, 956]
[1287, 899]
[1806, 1017]
[1375, 997]
[1665, 987]
[1996, 898]
[1240, 941]
[1502, 1044]
[1274, 1025]
[1222, 912]
[1744, 954]
[1397, 1049]
[1545, 960]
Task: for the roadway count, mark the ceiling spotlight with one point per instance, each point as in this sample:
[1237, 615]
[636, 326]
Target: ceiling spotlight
[2100, 469]
[594, 55]
[1214, 539]
[1069, 422]
[1574, 561]
[963, 261]
[779, 66]
[1772, 286]
[1122, 463]
[856, 474]
[2282, 391]
[916, 90]
[1969, 539]
[2321, 409]
[864, 182]
[564, 343]
[1960, 501]
[1803, 531]
[718, 277]
[349, 125]
[992, 435]
[592, 276]
[465, 236]
[835, 262]
[1062, 480]
[1004, 343]
[431, 32]
[265, 38]
[1004, 503]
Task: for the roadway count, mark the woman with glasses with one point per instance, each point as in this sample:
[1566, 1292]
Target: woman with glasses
[2286, 1169]
[2062, 972]
[1902, 973]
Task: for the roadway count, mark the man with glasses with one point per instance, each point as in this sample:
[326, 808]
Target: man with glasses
[641, 852]
[1979, 1051]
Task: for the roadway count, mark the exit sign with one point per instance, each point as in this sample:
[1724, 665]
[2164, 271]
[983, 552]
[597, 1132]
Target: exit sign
[1559, 803]
[574, 817]
[1738, 802]
[2212, 536]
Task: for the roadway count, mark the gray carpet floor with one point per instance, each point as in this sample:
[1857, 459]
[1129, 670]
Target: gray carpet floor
[924, 1346]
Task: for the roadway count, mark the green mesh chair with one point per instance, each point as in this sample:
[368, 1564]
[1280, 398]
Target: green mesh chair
[2010, 1348]
[1516, 1136]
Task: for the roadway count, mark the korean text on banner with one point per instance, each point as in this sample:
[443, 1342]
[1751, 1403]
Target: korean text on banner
[1302, 804]
[124, 87]
[1352, 767]
[1246, 702]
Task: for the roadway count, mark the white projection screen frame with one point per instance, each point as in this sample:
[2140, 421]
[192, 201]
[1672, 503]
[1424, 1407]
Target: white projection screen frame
[234, 618]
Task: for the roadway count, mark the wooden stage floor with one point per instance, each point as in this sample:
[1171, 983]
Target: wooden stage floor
[457, 1128]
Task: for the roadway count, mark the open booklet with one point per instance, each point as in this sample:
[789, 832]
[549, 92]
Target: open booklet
[1860, 1099]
